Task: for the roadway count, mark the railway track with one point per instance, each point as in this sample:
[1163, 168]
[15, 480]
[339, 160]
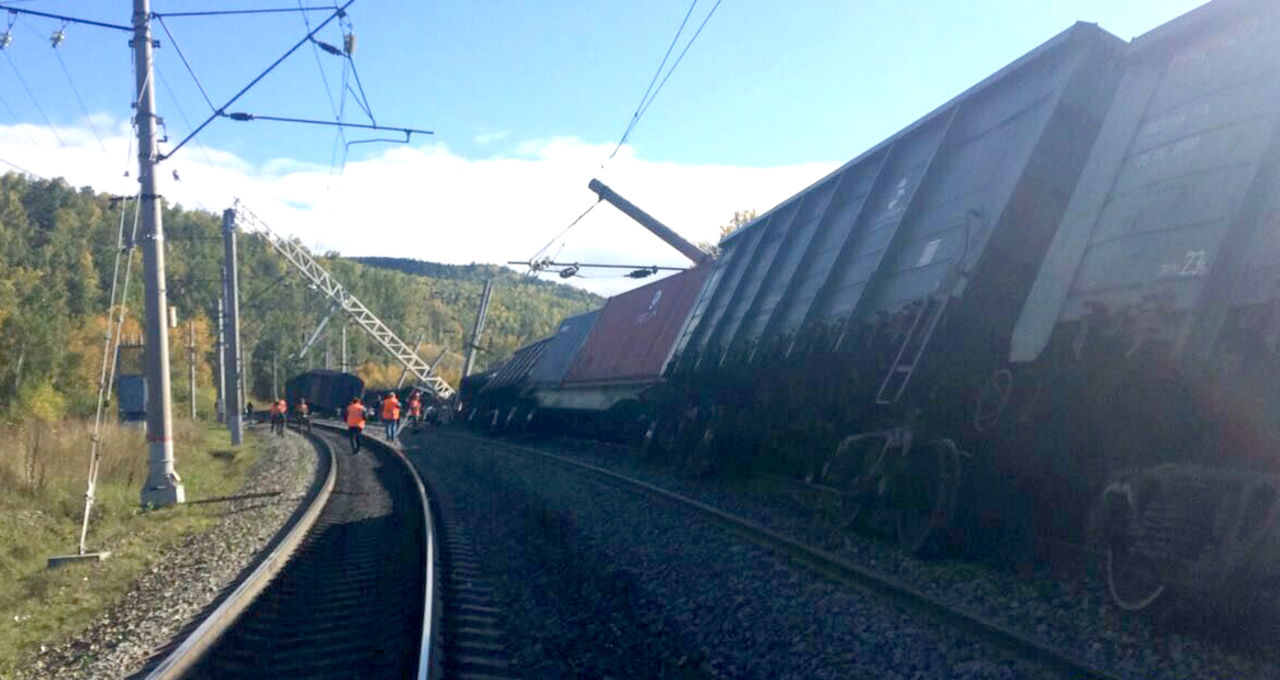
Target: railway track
[349, 592]
[835, 567]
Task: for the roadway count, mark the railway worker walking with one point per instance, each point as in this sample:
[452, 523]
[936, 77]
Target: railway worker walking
[355, 423]
[304, 415]
[278, 411]
[415, 407]
[391, 415]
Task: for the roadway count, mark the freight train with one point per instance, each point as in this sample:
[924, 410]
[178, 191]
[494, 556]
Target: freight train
[327, 392]
[1048, 310]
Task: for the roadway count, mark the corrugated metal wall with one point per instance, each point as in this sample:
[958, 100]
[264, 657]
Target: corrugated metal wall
[898, 223]
[1169, 206]
[634, 334]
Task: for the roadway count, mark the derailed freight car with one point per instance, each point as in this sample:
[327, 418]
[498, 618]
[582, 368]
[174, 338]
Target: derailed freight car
[1145, 361]
[326, 392]
[869, 306]
[607, 388]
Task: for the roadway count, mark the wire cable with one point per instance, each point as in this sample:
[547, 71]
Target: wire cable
[564, 231]
[83, 109]
[635, 117]
[17, 122]
[35, 101]
[174, 41]
[682, 53]
[652, 93]
[256, 80]
[223, 12]
[341, 135]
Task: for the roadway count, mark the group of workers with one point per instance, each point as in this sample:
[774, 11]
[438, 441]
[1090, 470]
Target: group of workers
[388, 411]
[279, 413]
[355, 414]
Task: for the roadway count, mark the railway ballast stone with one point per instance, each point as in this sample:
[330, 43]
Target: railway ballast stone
[188, 576]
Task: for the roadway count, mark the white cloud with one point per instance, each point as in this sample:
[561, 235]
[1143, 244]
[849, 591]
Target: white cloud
[428, 203]
[487, 138]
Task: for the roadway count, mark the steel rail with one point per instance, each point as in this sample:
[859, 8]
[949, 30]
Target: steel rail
[840, 569]
[193, 647]
[428, 662]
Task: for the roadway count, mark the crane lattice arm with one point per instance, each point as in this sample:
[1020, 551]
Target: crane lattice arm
[325, 283]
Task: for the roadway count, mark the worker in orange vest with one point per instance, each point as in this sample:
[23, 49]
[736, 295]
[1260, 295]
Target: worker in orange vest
[391, 415]
[415, 407]
[355, 423]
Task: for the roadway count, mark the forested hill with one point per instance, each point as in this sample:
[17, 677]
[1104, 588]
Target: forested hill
[57, 249]
[501, 276]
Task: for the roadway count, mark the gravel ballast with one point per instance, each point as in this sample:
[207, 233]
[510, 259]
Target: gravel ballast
[191, 574]
[1071, 614]
[601, 582]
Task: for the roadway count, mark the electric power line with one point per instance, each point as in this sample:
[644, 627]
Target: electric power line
[341, 135]
[76, 91]
[652, 93]
[338, 12]
[635, 117]
[174, 41]
[35, 101]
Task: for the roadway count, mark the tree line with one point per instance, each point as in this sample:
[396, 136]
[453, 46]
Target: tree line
[57, 246]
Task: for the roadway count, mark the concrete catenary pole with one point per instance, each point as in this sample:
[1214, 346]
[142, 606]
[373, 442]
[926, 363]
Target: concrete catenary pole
[220, 379]
[163, 486]
[191, 364]
[473, 343]
[235, 384]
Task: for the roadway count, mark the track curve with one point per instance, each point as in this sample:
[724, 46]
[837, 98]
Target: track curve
[354, 599]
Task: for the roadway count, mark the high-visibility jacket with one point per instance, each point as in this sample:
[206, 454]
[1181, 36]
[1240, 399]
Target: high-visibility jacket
[355, 415]
[391, 408]
[415, 407]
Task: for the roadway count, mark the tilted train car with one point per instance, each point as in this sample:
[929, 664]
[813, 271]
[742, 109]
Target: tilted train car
[1146, 356]
[872, 302]
[496, 401]
[605, 390]
[325, 391]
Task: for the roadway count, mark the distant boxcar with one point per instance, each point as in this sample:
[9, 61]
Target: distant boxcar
[325, 391]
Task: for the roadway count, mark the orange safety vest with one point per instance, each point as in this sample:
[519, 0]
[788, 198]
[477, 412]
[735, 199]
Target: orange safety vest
[415, 407]
[391, 408]
[355, 415]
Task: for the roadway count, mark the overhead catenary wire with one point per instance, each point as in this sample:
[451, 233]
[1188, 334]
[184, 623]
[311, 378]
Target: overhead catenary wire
[341, 135]
[336, 13]
[635, 117]
[681, 57]
[200, 86]
[652, 92]
[76, 91]
[40, 109]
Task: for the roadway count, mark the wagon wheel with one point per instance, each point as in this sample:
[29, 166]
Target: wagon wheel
[991, 402]
[852, 471]
[1132, 577]
[926, 490]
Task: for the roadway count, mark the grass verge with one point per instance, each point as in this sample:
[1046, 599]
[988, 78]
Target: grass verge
[42, 480]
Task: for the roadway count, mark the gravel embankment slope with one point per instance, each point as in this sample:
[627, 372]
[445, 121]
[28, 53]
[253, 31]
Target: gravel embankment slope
[189, 576]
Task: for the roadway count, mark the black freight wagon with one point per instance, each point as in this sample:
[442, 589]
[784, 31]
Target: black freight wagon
[874, 304]
[326, 392]
[1144, 367]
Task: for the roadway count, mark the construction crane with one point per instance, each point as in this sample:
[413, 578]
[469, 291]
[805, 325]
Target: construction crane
[324, 282]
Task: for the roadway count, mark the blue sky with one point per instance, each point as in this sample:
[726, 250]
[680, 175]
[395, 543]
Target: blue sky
[526, 99]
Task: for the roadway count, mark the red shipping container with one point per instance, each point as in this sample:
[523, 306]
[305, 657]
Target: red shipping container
[636, 331]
